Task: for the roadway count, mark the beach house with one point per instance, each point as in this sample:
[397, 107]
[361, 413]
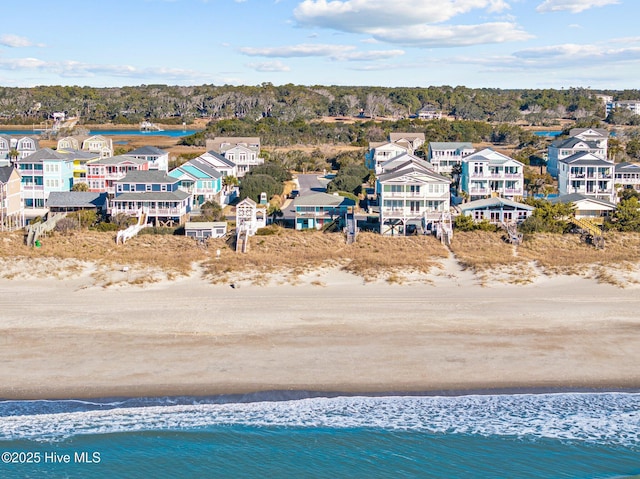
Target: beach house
[157, 158]
[223, 165]
[103, 173]
[490, 173]
[200, 180]
[429, 112]
[11, 204]
[22, 146]
[587, 174]
[69, 143]
[412, 141]
[380, 152]
[68, 201]
[81, 160]
[443, 156]
[410, 196]
[497, 210]
[627, 175]
[250, 216]
[244, 152]
[42, 172]
[155, 192]
[591, 140]
[99, 144]
[319, 209]
[588, 207]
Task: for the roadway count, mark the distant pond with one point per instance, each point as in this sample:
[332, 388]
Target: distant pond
[547, 133]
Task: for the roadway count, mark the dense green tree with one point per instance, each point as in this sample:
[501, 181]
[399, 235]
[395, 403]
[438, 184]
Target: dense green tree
[627, 215]
[254, 185]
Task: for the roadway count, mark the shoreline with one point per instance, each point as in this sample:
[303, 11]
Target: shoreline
[296, 395]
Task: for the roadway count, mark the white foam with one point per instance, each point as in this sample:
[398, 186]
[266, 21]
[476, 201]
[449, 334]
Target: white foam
[612, 418]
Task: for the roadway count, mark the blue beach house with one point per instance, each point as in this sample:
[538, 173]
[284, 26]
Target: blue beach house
[157, 193]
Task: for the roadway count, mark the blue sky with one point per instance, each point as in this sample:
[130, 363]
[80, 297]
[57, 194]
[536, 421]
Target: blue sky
[476, 43]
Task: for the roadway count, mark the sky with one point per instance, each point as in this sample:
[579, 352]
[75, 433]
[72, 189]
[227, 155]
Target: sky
[414, 43]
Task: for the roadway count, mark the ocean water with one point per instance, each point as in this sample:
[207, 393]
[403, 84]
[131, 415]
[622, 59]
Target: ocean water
[568, 435]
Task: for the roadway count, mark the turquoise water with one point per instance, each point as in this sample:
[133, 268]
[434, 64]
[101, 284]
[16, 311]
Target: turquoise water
[594, 435]
[548, 133]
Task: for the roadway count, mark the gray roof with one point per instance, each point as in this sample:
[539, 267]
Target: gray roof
[323, 199]
[45, 154]
[600, 131]
[488, 202]
[450, 145]
[147, 150]
[572, 142]
[76, 199]
[205, 167]
[627, 167]
[575, 197]
[116, 160]
[152, 196]
[221, 158]
[408, 169]
[147, 176]
[585, 158]
[405, 136]
[5, 173]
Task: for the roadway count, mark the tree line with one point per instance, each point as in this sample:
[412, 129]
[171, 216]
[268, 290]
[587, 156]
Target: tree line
[164, 103]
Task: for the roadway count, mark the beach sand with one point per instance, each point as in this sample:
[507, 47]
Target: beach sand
[328, 332]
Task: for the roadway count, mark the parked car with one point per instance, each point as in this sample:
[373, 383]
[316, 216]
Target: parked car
[294, 194]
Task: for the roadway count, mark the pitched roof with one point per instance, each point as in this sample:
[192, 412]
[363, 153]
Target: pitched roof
[323, 199]
[585, 158]
[147, 176]
[412, 170]
[450, 145]
[491, 156]
[627, 167]
[496, 201]
[575, 197]
[598, 131]
[147, 150]
[218, 157]
[5, 173]
[572, 142]
[45, 154]
[205, 167]
[76, 199]
[406, 136]
[116, 160]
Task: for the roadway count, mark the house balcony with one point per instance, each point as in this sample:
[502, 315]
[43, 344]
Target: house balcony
[512, 191]
[159, 212]
[408, 213]
[423, 195]
[32, 187]
[628, 181]
[479, 191]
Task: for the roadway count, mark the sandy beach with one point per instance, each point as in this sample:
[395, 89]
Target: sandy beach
[330, 331]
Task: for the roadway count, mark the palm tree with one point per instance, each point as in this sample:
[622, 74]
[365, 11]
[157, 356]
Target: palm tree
[229, 182]
[275, 212]
[13, 155]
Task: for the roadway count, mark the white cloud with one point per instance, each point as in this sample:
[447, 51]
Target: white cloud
[334, 52]
[362, 15]
[412, 22]
[557, 58]
[573, 6]
[14, 41]
[269, 67]
[452, 35]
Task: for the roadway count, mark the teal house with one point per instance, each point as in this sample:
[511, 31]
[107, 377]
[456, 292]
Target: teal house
[200, 180]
